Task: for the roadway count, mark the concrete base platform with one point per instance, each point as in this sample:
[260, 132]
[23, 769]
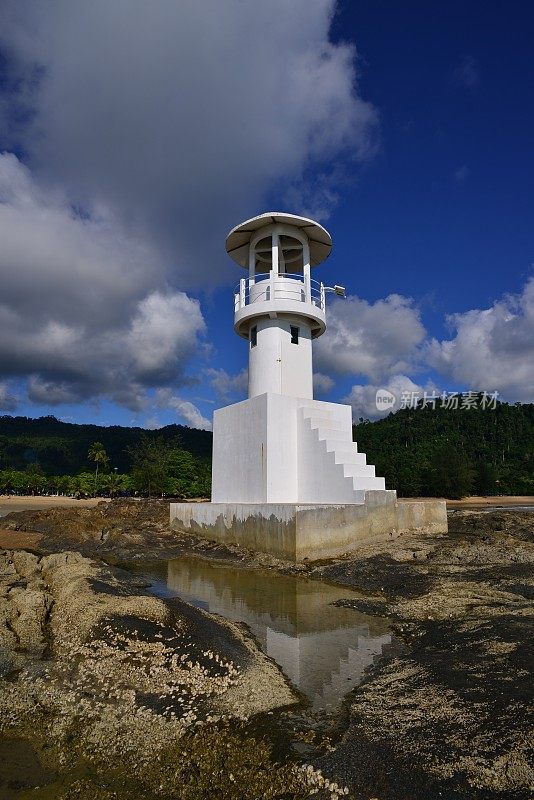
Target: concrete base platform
[299, 532]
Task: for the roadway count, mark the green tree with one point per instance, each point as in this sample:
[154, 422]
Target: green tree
[98, 455]
[7, 480]
[63, 484]
[486, 479]
[408, 481]
[188, 476]
[35, 479]
[150, 464]
[115, 483]
[75, 486]
[452, 474]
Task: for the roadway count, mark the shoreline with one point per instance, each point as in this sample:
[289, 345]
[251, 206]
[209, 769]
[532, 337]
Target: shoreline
[28, 502]
[494, 500]
[40, 503]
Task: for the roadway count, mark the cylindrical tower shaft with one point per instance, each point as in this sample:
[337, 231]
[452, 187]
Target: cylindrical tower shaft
[280, 357]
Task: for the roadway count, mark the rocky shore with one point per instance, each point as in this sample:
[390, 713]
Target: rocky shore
[150, 698]
[452, 717]
[121, 694]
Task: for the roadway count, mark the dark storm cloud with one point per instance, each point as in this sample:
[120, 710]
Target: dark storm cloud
[181, 116]
[8, 401]
[78, 311]
[147, 131]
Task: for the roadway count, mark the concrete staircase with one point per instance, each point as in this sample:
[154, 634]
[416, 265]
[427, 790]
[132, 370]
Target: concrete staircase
[327, 441]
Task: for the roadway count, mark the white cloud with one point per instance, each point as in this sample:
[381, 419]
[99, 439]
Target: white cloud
[79, 314]
[322, 383]
[189, 412]
[371, 339]
[315, 198]
[8, 401]
[162, 333]
[152, 424]
[362, 398]
[183, 119]
[228, 386]
[493, 348]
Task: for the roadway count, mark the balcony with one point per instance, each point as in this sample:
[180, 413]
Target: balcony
[273, 294]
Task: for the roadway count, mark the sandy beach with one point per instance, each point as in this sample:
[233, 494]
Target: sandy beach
[31, 503]
[10, 502]
[509, 500]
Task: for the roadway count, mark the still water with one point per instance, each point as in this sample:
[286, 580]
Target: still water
[323, 649]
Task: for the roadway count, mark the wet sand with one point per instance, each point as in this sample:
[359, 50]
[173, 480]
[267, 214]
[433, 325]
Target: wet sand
[480, 502]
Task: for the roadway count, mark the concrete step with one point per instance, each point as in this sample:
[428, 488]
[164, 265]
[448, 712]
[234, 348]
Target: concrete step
[368, 484]
[325, 418]
[341, 449]
[339, 468]
[311, 412]
[350, 457]
[348, 466]
[328, 434]
[328, 424]
[359, 470]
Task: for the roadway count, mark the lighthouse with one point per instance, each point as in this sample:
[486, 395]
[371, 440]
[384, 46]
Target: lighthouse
[287, 477]
[281, 445]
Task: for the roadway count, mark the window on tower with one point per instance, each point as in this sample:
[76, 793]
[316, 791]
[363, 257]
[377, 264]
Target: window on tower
[294, 334]
[254, 336]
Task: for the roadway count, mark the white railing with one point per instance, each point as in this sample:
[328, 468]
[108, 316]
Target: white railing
[284, 286]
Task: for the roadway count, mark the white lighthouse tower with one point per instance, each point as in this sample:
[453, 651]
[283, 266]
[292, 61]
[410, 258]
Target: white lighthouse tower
[287, 478]
[281, 445]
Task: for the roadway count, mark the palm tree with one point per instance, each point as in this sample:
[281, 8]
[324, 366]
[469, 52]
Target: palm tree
[114, 483]
[75, 486]
[97, 454]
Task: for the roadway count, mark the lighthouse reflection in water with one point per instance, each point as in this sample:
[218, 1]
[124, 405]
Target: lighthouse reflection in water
[323, 649]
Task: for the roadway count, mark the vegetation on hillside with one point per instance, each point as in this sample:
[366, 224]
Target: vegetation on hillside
[453, 452]
[48, 456]
[437, 452]
[60, 448]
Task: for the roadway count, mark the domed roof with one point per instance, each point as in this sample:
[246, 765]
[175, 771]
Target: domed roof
[238, 240]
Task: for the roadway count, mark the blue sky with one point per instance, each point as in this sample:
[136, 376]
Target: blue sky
[130, 147]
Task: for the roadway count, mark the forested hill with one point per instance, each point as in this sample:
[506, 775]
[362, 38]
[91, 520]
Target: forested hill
[453, 452]
[60, 448]
[421, 451]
